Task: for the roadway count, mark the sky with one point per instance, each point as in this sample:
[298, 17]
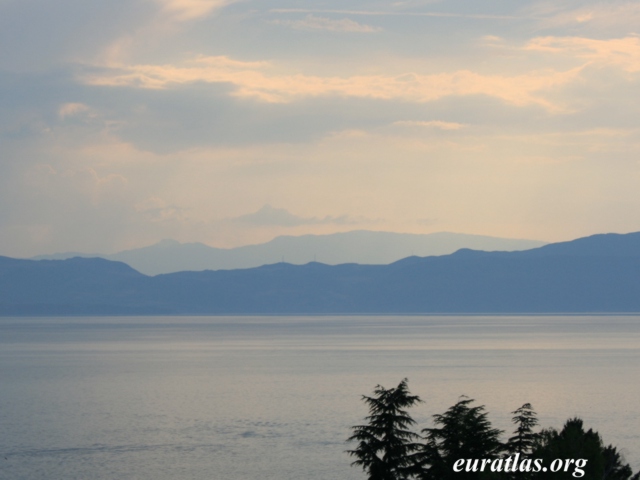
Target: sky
[124, 122]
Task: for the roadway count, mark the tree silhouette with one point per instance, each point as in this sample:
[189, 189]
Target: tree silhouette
[464, 432]
[388, 450]
[385, 445]
[522, 443]
[573, 442]
[524, 439]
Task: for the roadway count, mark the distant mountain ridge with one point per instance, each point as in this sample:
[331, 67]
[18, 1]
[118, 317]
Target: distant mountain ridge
[589, 275]
[360, 246]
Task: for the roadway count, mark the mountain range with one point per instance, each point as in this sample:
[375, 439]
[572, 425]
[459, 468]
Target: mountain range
[594, 274]
[365, 247]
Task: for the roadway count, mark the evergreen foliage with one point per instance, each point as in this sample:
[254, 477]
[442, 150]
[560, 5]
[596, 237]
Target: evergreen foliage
[463, 431]
[524, 438]
[603, 463]
[385, 445]
[387, 448]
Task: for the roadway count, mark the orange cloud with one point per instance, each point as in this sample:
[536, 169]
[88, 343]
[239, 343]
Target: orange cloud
[253, 80]
[621, 52]
[72, 109]
[606, 15]
[430, 124]
[191, 9]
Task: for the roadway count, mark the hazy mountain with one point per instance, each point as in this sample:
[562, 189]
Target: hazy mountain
[594, 274]
[364, 247]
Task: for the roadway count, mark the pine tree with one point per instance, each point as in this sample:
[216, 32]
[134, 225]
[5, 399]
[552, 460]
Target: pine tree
[385, 444]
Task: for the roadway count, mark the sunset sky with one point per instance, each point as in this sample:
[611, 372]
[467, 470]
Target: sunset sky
[124, 122]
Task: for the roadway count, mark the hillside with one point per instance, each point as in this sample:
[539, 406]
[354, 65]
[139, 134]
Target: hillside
[593, 274]
[364, 247]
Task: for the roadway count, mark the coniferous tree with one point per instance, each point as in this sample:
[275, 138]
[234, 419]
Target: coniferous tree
[614, 466]
[385, 444]
[573, 442]
[463, 432]
[387, 449]
[520, 446]
[524, 438]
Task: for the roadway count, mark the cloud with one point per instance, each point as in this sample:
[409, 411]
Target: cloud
[280, 217]
[184, 10]
[181, 118]
[254, 80]
[37, 35]
[155, 209]
[430, 124]
[74, 110]
[390, 13]
[155, 141]
[620, 52]
[493, 41]
[312, 22]
[71, 109]
[602, 16]
[86, 181]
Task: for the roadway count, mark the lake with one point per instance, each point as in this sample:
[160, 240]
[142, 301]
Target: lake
[243, 398]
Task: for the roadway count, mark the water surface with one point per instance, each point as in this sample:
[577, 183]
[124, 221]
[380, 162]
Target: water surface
[242, 398]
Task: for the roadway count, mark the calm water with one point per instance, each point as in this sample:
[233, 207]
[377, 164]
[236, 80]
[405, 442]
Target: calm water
[243, 398]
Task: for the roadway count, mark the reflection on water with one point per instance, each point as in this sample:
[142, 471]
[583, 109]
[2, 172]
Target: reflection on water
[241, 398]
